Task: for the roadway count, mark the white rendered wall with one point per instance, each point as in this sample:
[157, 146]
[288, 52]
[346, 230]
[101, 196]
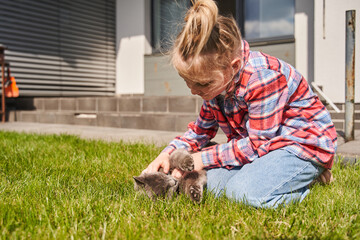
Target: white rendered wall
[132, 43]
[329, 68]
[304, 38]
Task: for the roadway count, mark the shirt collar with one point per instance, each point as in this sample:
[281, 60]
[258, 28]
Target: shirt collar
[245, 51]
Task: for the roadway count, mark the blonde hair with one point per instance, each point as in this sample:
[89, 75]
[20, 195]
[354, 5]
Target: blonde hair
[207, 41]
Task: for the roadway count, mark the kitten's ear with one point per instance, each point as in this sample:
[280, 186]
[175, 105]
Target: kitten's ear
[139, 180]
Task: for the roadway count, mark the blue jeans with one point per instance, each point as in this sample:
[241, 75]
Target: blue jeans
[276, 178]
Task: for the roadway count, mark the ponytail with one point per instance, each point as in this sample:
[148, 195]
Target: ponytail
[200, 21]
[206, 36]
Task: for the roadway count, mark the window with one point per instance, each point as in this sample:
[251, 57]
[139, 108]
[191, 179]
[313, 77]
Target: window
[167, 16]
[268, 19]
[259, 20]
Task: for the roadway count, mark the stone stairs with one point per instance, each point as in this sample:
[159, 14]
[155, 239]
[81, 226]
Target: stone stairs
[167, 113]
[139, 112]
[339, 118]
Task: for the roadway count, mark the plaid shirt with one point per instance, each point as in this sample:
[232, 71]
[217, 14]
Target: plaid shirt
[272, 107]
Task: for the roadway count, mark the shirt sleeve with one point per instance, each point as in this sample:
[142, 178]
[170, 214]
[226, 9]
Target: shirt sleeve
[266, 96]
[199, 133]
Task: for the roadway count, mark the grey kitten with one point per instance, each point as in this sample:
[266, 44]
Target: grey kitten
[160, 184]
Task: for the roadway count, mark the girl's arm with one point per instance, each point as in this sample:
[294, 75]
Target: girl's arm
[199, 133]
[265, 96]
[281, 114]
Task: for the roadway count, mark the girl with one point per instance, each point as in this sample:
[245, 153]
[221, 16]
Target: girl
[280, 135]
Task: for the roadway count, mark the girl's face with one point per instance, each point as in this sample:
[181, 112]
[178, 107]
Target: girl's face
[215, 84]
[208, 88]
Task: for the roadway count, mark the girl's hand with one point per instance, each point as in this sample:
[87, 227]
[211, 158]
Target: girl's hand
[198, 164]
[162, 161]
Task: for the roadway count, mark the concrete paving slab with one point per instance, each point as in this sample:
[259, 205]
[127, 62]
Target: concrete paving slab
[158, 138]
[350, 150]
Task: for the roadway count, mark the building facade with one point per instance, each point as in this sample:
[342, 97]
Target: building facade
[118, 47]
[309, 34]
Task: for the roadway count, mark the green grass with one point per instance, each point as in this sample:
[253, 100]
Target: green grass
[64, 187]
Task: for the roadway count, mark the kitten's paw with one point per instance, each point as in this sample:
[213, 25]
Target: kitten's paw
[195, 193]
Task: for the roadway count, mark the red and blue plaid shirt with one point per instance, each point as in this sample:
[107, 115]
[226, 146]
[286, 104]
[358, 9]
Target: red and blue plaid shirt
[272, 107]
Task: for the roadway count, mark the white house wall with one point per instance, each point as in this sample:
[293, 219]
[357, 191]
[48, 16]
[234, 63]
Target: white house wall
[304, 38]
[132, 43]
[329, 68]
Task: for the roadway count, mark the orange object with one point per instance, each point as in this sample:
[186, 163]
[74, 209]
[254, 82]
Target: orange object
[11, 90]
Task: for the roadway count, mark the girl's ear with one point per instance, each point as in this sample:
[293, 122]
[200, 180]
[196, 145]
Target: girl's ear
[236, 65]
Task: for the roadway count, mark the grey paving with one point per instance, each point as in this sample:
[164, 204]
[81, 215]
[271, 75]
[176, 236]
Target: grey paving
[159, 138]
[350, 150]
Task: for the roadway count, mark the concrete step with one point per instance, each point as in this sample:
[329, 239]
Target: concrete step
[341, 115]
[153, 121]
[340, 124]
[167, 104]
[170, 113]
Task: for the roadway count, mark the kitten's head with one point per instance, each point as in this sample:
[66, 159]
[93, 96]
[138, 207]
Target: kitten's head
[156, 184]
[192, 184]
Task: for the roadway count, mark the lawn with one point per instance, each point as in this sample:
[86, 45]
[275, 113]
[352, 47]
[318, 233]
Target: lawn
[65, 187]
